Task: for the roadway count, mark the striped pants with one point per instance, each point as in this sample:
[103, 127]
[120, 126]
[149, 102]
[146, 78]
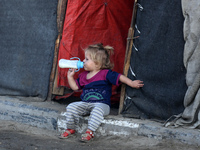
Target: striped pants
[97, 112]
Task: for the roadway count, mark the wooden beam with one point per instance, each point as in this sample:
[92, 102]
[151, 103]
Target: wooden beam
[54, 69]
[57, 90]
[61, 10]
[128, 55]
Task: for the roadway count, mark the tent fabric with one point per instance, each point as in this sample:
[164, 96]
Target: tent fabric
[27, 36]
[90, 22]
[157, 60]
[191, 114]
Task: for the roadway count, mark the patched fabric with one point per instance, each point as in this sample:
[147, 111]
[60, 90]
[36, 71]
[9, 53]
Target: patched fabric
[191, 114]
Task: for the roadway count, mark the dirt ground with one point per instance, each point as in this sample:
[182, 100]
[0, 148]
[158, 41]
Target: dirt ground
[15, 136]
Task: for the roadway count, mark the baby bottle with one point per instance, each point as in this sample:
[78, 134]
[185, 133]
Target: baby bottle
[76, 64]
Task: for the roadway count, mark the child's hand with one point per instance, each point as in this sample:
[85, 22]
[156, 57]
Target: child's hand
[71, 72]
[71, 81]
[134, 84]
[137, 84]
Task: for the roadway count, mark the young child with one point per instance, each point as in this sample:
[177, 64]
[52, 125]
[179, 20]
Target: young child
[96, 83]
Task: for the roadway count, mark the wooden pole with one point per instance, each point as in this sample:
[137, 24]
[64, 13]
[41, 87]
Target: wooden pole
[61, 9]
[128, 55]
[53, 70]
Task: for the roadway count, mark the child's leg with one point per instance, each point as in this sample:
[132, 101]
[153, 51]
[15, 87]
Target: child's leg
[97, 114]
[74, 110]
[98, 111]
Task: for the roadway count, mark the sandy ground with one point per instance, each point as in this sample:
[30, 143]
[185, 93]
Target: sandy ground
[17, 136]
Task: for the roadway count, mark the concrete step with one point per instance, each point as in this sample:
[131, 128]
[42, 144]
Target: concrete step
[52, 116]
[120, 126]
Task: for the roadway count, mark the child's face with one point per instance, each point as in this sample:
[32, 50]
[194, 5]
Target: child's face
[89, 64]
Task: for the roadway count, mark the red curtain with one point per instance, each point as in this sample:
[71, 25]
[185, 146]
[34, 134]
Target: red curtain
[94, 21]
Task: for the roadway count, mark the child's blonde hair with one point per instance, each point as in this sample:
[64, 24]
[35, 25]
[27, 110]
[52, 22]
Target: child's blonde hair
[101, 55]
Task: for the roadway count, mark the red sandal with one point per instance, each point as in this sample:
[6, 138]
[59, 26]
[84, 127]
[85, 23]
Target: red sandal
[88, 136]
[67, 133]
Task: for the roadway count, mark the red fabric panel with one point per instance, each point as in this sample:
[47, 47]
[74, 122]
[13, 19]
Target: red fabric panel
[95, 21]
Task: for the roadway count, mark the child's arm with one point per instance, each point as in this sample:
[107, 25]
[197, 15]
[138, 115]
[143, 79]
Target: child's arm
[71, 80]
[134, 84]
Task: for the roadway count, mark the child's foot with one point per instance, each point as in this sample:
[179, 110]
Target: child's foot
[88, 136]
[67, 133]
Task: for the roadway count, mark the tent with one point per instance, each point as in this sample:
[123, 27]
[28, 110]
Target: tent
[90, 22]
[156, 54]
[163, 55]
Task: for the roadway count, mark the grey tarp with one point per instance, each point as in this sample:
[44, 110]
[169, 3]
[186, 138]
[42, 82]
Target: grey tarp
[27, 35]
[157, 59]
[191, 114]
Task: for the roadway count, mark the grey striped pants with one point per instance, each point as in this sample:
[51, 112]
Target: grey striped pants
[97, 112]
